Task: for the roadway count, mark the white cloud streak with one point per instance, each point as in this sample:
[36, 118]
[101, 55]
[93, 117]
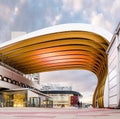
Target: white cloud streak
[107, 16]
[99, 20]
[102, 13]
[51, 18]
[56, 19]
[72, 6]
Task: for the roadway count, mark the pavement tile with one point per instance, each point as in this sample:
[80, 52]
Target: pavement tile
[58, 113]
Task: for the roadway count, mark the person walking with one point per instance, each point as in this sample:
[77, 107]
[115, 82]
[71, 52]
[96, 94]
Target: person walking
[78, 104]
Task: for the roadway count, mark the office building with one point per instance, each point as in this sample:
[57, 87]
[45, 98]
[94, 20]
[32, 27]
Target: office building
[112, 92]
[64, 98]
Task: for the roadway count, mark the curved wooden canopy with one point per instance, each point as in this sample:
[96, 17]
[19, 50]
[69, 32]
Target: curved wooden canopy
[56, 51]
[63, 47]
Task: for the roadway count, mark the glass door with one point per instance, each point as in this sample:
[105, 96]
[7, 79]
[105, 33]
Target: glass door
[35, 101]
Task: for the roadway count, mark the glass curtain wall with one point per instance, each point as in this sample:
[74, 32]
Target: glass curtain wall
[14, 99]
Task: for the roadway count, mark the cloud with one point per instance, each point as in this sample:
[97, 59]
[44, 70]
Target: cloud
[4, 34]
[98, 19]
[105, 14]
[8, 16]
[53, 19]
[57, 19]
[72, 6]
[115, 10]
[5, 13]
[115, 7]
[32, 15]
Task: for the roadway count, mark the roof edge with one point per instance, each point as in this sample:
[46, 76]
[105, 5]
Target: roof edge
[62, 28]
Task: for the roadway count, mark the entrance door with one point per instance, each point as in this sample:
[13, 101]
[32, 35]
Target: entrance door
[35, 101]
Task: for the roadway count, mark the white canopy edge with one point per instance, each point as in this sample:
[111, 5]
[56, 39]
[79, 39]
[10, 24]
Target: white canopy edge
[62, 28]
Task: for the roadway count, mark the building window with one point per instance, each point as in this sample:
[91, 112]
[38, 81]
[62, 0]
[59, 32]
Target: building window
[9, 80]
[5, 79]
[0, 77]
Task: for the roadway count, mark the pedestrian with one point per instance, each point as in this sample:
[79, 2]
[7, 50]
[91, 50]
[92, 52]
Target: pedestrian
[78, 104]
[81, 104]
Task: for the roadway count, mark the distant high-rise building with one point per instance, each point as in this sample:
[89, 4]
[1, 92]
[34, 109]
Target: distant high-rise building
[49, 87]
[34, 77]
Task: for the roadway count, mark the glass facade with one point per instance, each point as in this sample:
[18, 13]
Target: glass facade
[63, 100]
[60, 100]
[15, 99]
[24, 98]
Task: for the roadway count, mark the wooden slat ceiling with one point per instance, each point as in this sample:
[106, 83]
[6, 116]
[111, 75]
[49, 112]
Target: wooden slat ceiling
[57, 51]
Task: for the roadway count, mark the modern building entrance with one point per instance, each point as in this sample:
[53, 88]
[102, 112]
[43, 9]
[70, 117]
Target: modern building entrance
[24, 98]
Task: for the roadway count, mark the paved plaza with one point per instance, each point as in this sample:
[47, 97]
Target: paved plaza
[58, 113]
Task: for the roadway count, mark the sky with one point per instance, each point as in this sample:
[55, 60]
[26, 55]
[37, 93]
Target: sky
[31, 15]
